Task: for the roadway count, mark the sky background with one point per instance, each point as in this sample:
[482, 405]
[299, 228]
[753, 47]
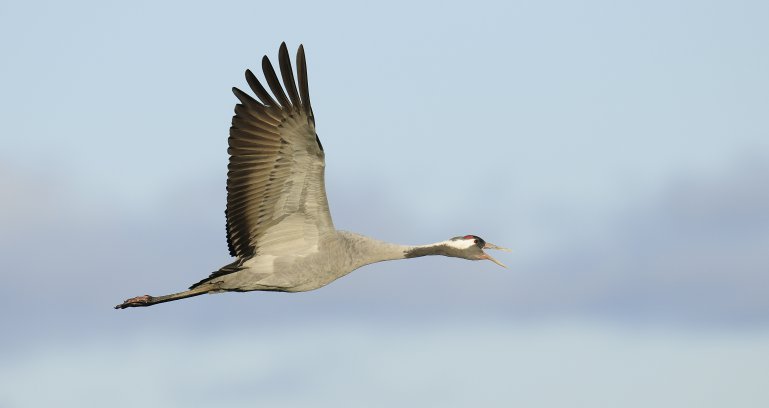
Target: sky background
[620, 148]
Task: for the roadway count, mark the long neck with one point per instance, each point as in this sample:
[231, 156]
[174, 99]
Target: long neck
[368, 250]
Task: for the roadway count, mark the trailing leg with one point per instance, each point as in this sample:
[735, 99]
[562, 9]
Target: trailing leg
[147, 300]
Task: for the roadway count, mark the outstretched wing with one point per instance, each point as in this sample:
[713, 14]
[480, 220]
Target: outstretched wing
[276, 194]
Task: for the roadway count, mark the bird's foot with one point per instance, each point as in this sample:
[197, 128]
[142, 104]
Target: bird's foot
[138, 301]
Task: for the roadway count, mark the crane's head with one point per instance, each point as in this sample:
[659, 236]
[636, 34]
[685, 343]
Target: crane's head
[471, 247]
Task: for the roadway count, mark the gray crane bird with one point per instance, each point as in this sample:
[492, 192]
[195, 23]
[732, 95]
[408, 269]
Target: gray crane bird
[279, 228]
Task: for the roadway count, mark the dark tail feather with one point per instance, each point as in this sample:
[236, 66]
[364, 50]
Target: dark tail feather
[225, 270]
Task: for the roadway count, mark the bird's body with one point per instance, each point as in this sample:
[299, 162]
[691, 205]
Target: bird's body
[337, 254]
[279, 227]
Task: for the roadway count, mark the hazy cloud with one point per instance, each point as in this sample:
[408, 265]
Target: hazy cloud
[695, 254]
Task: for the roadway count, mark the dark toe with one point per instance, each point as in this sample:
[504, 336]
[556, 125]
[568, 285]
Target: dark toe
[135, 302]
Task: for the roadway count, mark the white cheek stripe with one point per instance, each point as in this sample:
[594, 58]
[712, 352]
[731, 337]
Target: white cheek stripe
[459, 243]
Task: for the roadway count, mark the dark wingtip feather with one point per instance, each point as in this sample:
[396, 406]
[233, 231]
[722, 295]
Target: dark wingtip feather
[304, 88]
[287, 73]
[246, 99]
[274, 83]
[258, 89]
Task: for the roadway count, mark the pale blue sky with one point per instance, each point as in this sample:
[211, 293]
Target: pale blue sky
[621, 148]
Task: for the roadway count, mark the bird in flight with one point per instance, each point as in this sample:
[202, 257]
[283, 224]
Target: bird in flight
[278, 224]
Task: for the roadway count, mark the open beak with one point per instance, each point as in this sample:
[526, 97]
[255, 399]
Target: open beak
[492, 246]
[487, 256]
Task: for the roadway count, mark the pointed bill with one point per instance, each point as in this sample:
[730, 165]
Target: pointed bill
[489, 245]
[487, 256]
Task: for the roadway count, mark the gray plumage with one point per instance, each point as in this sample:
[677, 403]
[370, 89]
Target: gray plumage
[278, 223]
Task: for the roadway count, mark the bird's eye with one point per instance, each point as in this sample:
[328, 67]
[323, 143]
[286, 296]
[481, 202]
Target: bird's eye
[475, 240]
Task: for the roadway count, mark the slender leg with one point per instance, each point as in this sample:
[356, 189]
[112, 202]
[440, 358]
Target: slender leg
[147, 300]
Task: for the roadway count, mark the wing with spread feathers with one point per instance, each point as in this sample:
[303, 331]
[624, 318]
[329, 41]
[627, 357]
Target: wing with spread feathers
[276, 196]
